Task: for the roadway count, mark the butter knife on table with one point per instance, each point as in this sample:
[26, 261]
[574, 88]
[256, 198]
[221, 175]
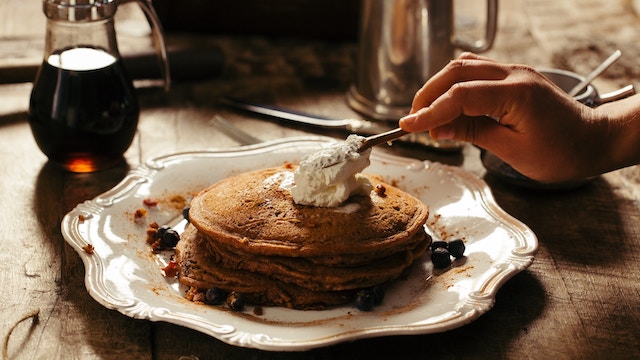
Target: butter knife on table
[360, 127]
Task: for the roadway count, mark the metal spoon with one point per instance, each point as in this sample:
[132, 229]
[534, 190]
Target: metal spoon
[368, 142]
[595, 73]
[377, 139]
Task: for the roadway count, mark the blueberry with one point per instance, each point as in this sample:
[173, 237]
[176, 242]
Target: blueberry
[185, 212]
[378, 295]
[170, 238]
[364, 300]
[161, 231]
[235, 301]
[439, 244]
[441, 258]
[215, 296]
[456, 248]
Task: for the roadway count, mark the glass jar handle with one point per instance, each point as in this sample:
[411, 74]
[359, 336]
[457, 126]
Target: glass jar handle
[158, 34]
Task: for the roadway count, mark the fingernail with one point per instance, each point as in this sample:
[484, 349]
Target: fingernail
[409, 119]
[444, 132]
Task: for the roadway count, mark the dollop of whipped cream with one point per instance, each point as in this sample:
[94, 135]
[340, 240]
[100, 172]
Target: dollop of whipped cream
[330, 176]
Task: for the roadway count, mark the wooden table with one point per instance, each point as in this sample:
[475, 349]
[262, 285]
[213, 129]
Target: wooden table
[579, 300]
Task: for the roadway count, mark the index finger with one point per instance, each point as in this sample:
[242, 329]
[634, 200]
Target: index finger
[456, 71]
[470, 98]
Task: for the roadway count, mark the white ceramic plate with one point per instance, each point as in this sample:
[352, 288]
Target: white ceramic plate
[124, 274]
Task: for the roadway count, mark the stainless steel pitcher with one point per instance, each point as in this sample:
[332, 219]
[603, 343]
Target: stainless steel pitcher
[402, 44]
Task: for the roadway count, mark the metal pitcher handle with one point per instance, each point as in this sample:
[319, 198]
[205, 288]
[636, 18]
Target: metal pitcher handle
[490, 31]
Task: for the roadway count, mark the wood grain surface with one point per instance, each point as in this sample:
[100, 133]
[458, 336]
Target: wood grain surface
[579, 300]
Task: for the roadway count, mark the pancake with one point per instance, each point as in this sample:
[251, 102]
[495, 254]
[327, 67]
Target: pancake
[311, 275]
[199, 269]
[246, 234]
[255, 212]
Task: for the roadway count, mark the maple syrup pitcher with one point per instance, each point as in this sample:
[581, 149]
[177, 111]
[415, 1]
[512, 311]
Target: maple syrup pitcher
[83, 109]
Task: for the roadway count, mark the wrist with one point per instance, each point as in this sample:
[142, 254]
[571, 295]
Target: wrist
[619, 133]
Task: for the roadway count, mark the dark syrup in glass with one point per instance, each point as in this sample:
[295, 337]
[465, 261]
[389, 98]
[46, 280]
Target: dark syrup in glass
[83, 112]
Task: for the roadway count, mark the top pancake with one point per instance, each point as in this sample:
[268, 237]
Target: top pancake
[254, 212]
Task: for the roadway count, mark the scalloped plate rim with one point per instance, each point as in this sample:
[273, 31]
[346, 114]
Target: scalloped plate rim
[476, 302]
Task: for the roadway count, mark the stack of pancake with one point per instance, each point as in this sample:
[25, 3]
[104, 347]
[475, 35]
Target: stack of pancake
[247, 235]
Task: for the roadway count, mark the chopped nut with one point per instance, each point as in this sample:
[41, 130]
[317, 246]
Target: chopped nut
[381, 190]
[198, 297]
[191, 293]
[140, 213]
[88, 249]
[149, 202]
[152, 233]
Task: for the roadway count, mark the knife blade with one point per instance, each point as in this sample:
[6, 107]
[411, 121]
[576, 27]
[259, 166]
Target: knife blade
[357, 126]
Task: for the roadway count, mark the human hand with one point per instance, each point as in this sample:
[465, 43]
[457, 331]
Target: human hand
[540, 131]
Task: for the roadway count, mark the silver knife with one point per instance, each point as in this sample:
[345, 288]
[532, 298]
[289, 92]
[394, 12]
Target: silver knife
[360, 127]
